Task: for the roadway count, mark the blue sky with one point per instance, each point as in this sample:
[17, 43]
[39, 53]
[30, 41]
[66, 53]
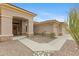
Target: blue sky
[48, 11]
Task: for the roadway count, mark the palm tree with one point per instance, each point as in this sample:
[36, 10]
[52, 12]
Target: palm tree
[73, 24]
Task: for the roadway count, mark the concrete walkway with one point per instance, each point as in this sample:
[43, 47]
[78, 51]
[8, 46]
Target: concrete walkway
[14, 48]
[51, 46]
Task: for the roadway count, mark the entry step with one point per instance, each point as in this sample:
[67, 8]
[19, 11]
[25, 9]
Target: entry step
[18, 37]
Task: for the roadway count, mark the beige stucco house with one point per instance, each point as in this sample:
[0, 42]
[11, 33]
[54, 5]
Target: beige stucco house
[15, 21]
[50, 26]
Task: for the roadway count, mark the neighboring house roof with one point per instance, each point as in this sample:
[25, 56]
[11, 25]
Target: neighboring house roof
[47, 22]
[18, 8]
[34, 22]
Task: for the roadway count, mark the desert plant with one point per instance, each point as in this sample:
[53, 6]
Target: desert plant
[73, 24]
[41, 53]
[43, 33]
[60, 34]
[36, 33]
[51, 35]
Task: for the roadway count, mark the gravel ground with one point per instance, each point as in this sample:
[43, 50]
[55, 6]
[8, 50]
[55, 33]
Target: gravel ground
[70, 48]
[14, 48]
[41, 39]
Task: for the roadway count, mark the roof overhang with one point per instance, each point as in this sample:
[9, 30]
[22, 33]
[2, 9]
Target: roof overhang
[17, 9]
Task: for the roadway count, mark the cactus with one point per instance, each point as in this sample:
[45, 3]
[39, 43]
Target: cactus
[73, 24]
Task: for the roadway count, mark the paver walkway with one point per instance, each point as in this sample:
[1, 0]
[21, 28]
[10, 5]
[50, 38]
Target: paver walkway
[51, 46]
[14, 48]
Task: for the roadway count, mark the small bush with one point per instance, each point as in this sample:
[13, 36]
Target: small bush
[35, 33]
[41, 53]
[60, 34]
[52, 35]
[43, 33]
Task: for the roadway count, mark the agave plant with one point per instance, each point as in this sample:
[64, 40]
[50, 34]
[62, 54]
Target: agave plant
[73, 24]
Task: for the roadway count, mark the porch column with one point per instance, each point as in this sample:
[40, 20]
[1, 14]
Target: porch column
[24, 27]
[30, 27]
[6, 28]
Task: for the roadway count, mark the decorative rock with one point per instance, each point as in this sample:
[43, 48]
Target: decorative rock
[41, 53]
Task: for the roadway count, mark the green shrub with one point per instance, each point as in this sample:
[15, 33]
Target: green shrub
[43, 33]
[35, 33]
[73, 24]
[60, 34]
[51, 35]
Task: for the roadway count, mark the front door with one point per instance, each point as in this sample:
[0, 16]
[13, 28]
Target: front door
[15, 29]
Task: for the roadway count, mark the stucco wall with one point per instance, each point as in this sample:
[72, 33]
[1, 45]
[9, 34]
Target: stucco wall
[0, 20]
[0, 23]
[7, 15]
[64, 31]
[48, 28]
[6, 26]
[5, 11]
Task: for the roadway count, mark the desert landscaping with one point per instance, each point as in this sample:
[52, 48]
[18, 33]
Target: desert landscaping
[21, 35]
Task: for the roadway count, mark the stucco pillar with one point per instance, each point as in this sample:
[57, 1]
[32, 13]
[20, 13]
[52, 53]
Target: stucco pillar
[55, 29]
[60, 29]
[6, 28]
[30, 27]
[24, 27]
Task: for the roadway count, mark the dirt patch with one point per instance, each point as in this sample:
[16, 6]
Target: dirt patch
[41, 39]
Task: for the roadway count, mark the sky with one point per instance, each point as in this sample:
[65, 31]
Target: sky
[48, 11]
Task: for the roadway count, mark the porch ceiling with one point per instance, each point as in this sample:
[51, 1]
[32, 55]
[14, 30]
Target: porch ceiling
[19, 18]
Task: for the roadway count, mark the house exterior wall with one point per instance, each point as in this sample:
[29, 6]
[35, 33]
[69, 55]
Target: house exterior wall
[10, 13]
[60, 27]
[30, 27]
[44, 28]
[55, 28]
[0, 23]
[48, 28]
[64, 31]
[0, 20]
[24, 27]
[6, 26]
[7, 14]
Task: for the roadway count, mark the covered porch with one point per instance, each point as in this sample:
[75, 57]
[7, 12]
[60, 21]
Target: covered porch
[15, 21]
[19, 26]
